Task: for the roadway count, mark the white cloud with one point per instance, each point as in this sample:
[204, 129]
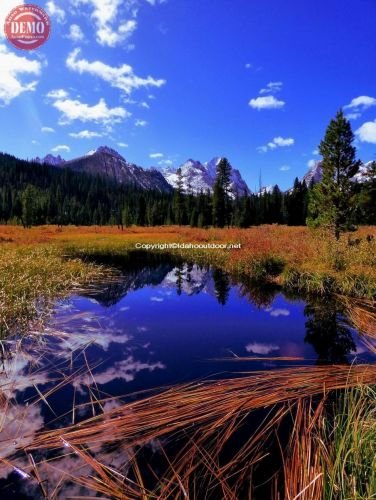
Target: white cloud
[73, 109]
[156, 155]
[55, 11]
[155, 2]
[105, 14]
[141, 123]
[107, 36]
[367, 132]
[261, 348]
[58, 94]
[266, 102]
[156, 299]
[281, 142]
[362, 102]
[126, 369]
[12, 68]
[353, 116]
[277, 142]
[285, 168]
[311, 163]
[276, 313]
[85, 134]
[122, 145]
[248, 66]
[61, 148]
[47, 130]
[165, 163]
[358, 105]
[5, 7]
[144, 105]
[316, 152]
[121, 77]
[75, 33]
[272, 88]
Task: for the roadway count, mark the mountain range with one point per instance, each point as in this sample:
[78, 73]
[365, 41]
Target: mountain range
[105, 161]
[196, 176]
[108, 162]
[200, 177]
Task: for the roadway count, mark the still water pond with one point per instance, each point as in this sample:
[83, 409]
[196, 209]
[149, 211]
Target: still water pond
[158, 325]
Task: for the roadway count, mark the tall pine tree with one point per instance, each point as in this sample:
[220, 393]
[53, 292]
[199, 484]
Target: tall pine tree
[179, 202]
[221, 194]
[332, 202]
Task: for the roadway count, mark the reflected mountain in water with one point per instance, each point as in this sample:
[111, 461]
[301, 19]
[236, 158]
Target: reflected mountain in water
[141, 270]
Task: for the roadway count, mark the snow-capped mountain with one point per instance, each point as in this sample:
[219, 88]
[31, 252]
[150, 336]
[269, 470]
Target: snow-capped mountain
[265, 190]
[314, 174]
[362, 175]
[107, 162]
[200, 177]
[55, 161]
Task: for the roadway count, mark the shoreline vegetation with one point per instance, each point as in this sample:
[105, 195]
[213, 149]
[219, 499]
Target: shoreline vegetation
[330, 411]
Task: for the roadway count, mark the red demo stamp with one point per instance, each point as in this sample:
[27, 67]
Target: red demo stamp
[27, 27]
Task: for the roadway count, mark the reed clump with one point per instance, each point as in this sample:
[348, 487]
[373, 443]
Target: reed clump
[31, 278]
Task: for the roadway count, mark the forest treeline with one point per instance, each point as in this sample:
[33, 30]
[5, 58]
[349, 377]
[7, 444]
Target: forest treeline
[35, 194]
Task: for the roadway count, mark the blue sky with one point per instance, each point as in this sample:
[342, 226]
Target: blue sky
[162, 81]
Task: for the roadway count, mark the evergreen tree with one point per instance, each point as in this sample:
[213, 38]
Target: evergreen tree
[28, 200]
[296, 203]
[367, 197]
[221, 194]
[179, 202]
[332, 201]
[246, 212]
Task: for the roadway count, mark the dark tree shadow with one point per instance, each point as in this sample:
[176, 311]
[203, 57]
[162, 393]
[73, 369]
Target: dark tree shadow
[327, 331]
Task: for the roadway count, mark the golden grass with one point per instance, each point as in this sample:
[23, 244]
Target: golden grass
[362, 315]
[203, 418]
[31, 278]
[205, 403]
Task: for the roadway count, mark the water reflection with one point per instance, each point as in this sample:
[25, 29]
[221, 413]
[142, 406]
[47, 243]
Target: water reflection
[327, 331]
[158, 324]
[222, 286]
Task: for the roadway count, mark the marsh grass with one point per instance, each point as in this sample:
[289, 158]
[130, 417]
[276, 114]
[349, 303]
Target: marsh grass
[31, 278]
[349, 445]
[201, 422]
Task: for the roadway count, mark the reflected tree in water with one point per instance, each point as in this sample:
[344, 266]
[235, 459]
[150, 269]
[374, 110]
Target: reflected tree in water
[222, 286]
[179, 275]
[259, 296]
[327, 332]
